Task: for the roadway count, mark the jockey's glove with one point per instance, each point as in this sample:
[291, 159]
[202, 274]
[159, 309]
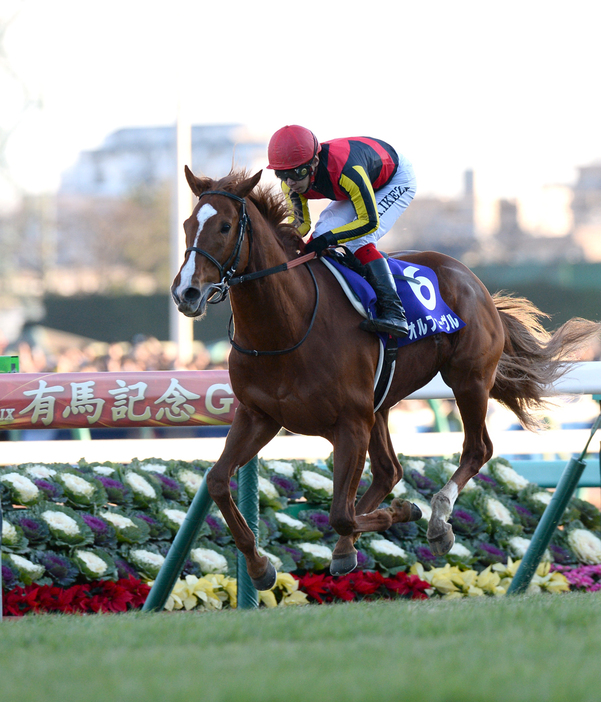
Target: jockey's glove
[320, 243]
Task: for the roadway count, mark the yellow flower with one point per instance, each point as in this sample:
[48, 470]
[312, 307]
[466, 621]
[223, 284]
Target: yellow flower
[490, 582]
[551, 582]
[442, 579]
[543, 569]
[473, 591]
[294, 598]
[268, 598]
[203, 590]
[286, 582]
[179, 595]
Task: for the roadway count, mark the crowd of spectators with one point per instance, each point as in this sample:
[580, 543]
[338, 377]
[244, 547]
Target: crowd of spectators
[142, 353]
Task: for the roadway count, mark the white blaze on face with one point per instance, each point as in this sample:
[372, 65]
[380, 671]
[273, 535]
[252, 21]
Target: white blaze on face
[187, 271]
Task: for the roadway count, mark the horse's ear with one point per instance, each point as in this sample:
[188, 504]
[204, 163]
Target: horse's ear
[245, 187]
[197, 185]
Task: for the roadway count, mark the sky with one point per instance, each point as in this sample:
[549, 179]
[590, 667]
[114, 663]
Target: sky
[510, 90]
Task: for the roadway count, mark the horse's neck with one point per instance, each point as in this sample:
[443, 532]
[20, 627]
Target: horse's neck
[271, 305]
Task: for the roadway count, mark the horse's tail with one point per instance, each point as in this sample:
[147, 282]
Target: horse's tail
[532, 358]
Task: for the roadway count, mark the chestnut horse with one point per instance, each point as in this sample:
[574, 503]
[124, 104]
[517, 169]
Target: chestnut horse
[300, 361]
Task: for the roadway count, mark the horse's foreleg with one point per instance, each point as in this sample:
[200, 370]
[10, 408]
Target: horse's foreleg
[472, 402]
[350, 449]
[250, 431]
[386, 473]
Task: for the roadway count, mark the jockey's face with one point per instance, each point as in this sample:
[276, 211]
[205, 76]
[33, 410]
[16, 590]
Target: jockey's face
[301, 186]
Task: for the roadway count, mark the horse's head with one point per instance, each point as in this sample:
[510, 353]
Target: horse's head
[216, 242]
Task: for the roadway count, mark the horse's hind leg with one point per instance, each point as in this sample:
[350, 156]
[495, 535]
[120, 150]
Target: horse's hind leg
[250, 431]
[386, 473]
[471, 394]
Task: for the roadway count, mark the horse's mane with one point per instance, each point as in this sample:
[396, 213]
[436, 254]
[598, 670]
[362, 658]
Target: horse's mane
[271, 204]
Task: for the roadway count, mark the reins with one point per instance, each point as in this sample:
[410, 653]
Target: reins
[228, 278]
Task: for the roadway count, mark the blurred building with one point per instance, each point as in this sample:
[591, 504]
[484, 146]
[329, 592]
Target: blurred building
[439, 224]
[115, 205]
[586, 209]
[512, 245]
[145, 156]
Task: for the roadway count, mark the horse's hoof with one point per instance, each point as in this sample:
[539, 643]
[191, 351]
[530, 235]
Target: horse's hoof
[266, 581]
[443, 543]
[416, 513]
[342, 565]
[405, 511]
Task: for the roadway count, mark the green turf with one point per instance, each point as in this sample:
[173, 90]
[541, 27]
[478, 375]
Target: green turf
[530, 648]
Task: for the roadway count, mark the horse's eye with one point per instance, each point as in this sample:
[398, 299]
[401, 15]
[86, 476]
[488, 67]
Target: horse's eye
[225, 228]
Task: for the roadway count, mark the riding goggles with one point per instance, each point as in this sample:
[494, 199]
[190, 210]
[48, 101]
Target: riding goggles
[296, 174]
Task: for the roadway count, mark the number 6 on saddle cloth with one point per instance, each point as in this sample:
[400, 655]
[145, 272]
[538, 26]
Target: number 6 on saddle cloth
[417, 286]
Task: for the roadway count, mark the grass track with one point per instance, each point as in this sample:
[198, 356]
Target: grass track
[526, 648]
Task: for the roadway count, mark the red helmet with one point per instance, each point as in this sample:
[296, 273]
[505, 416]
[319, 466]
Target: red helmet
[291, 146]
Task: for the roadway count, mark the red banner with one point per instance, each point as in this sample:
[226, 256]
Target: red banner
[147, 399]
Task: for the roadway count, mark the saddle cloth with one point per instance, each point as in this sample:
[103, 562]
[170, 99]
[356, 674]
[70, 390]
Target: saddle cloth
[427, 313]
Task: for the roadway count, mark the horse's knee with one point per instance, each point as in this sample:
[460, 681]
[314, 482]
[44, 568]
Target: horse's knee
[342, 524]
[218, 485]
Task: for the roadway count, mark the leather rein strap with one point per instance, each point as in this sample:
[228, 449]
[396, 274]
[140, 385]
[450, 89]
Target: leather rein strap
[228, 269]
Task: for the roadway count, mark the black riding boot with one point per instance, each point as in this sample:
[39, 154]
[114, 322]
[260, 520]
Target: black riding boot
[391, 317]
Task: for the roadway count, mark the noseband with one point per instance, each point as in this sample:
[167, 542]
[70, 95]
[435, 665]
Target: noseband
[228, 269]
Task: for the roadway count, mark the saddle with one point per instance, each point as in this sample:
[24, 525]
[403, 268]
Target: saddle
[417, 286]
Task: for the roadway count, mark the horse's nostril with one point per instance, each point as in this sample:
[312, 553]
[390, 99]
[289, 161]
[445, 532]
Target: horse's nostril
[191, 295]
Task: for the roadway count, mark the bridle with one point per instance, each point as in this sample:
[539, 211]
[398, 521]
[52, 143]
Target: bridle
[228, 269]
[228, 278]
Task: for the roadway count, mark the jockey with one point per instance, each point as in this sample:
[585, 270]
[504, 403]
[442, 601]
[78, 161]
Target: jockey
[370, 186]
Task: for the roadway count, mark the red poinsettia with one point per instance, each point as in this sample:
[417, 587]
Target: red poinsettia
[362, 585]
[104, 596]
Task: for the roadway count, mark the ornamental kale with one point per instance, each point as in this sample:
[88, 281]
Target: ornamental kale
[60, 568]
[10, 578]
[80, 490]
[52, 491]
[170, 488]
[425, 556]
[116, 491]
[128, 529]
[424, 485]
[466, 522]
[319, 519]
[66, 526]
[104, 533]
[402, 531]
[157, 529]
[487, 554]
[587, 513]
[34, 529]
[288, 487]
[486, 481]
[218, 530]
[269, 528]
[124, 569]
[561, 554]
[528, 520]
[365, 561]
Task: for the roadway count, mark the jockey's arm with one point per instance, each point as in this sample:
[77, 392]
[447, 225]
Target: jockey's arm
[356, 183]
[299, 210]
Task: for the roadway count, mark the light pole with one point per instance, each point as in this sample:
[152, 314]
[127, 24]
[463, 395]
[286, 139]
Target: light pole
[180, 327]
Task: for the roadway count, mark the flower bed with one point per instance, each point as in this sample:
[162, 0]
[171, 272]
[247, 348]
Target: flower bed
[82, 536]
